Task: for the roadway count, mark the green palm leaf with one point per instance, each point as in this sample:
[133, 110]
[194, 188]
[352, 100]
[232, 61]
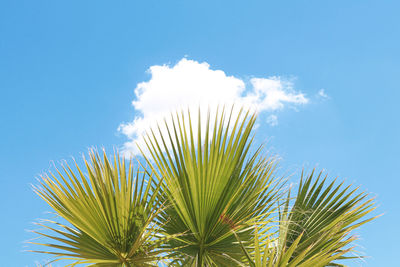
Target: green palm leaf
[330, 212]
[317, 230]
[111, 211]
[214, 185]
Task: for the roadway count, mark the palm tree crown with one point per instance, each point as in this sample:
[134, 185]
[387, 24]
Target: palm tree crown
[203, 198]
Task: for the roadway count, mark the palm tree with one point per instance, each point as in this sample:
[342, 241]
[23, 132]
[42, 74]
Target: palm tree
[205, 198]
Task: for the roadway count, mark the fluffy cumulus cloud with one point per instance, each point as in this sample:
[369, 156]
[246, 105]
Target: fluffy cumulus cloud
[190, 85]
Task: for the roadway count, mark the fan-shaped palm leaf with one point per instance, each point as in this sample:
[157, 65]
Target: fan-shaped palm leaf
[331, 212]
[316, 231]
[214, 184]
[111, 210]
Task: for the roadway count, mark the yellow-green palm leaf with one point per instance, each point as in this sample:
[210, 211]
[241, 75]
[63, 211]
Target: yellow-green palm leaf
[110, 211]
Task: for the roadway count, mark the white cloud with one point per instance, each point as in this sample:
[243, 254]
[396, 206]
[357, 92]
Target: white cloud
[190, 85]
[272, 120]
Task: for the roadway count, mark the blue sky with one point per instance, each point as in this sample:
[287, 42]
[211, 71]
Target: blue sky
[69, 69]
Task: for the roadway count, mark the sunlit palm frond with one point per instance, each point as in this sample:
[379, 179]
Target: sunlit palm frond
[215, 184]
[110, 212]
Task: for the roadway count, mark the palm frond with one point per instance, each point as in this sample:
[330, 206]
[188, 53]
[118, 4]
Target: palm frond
[214, 184]
[111, 214]
[317, 230]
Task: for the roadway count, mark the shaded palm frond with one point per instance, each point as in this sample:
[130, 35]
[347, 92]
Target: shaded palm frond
[329, 211]
[317, 230]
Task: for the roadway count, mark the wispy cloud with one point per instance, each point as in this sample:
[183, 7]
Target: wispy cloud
[272, 120]
[190, 84]
[322, 93]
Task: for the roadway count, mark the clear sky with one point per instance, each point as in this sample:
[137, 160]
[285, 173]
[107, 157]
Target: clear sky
[69, 70]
